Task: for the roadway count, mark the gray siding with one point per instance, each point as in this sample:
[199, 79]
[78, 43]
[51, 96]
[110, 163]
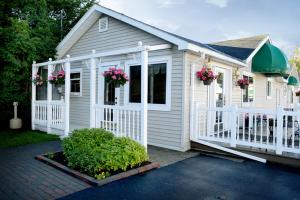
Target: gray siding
[164, 127]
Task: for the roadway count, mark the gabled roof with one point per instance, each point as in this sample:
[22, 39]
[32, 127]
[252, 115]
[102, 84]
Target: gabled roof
[242, 48]
[183, 43]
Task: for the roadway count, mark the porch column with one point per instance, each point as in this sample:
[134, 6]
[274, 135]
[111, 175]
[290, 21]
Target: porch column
[144, 96]
[49, 99]
[92, 90]
[67, 96]
[33, 95]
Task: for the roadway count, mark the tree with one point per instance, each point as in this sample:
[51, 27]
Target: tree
[30, 30]
[295, 59]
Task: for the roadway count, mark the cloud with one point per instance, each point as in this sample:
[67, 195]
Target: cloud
[169, 3]
[117, 5]
[218, 3]
[237, 34]
[163, 24]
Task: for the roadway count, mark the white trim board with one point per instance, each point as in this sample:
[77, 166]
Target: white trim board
[95, 12]
[257, 49]
[251, 157]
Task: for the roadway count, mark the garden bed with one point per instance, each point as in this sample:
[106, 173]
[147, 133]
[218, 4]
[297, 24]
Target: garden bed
[58, 161]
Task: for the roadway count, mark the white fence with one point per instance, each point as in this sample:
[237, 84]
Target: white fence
[122, 121]
[57, 109]
[260, 128]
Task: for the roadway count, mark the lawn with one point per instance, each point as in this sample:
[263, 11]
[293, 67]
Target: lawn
[11, 138]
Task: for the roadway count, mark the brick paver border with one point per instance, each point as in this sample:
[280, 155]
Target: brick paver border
[91, 180]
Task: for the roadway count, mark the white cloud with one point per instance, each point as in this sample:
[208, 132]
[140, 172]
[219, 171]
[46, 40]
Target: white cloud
[163, 24]
[117, 5]
[169, 3]
[237, 34]
[219, 3]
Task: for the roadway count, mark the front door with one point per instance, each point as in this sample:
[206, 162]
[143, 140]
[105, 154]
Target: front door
[221, 95]
[108, 93]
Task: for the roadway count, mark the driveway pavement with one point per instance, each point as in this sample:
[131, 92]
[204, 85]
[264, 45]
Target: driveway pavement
[200, 177]
[203, 177]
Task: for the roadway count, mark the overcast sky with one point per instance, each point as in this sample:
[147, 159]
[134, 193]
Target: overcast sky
[215, 20]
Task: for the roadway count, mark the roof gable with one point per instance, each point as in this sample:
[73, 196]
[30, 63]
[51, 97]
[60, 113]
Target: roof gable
[183, 43]
[242, 48]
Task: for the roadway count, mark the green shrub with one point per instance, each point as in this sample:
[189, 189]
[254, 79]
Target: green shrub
[97, 152]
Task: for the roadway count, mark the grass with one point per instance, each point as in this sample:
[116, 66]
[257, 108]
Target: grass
[11, 138]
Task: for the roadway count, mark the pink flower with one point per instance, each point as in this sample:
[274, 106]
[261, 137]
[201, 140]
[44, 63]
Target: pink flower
[114, 77]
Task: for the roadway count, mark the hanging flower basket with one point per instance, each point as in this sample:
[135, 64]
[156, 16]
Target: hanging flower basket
[38, 80]
[57, 78]
[117, 77]
[243, 83]
[297, 93]
[206, 75]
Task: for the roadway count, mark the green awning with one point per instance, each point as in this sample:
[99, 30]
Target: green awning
[292, 80]
[270, 61]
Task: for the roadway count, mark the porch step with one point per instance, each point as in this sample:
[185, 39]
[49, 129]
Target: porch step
[286, 160]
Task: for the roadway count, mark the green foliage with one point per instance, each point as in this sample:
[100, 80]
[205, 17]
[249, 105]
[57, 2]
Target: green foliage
[30, 30]
[295, 59]
[19, 138]
[98, 153]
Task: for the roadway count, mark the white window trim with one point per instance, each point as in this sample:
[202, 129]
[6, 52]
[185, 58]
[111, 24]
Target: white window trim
[271, 81]
[248, 104]
[76, 94]
[106, 21]
[152, 60]
[116, 64]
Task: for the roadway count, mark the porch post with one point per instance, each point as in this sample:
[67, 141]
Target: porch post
[49, 99]
[144, 96]
[33, 95]
[92, 90]
[279, 129]
[192, 107]
[67, 96]
[233, 128]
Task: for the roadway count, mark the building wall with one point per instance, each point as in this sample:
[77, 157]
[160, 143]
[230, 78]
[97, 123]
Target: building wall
[164, 127]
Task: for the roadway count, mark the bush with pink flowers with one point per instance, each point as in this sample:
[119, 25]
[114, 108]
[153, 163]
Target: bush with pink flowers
[57, 78]
[206, 75]
[38, 80]
[115, 76]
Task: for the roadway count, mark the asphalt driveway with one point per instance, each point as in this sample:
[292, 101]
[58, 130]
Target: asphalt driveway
[203, 177]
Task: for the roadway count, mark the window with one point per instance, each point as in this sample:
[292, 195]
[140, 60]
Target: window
[291, 96]
[103, 24]
[248, 93]
[269, 89]
[158, 84]
[76, 82]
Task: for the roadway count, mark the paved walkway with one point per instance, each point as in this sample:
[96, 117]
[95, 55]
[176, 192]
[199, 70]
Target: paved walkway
[23, 177]
[202, 177]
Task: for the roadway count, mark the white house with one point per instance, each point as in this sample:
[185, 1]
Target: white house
[172, 117]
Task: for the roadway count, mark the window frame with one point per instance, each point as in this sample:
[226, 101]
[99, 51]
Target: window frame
[152, 60]
[269, 80]
[247, 104]
[73, 71]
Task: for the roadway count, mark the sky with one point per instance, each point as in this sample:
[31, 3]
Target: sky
[216, 20]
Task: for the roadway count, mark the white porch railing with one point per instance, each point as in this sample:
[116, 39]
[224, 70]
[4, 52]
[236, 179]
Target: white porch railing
[260, 128]
[57, 109]
[40, 115]
[122, 121]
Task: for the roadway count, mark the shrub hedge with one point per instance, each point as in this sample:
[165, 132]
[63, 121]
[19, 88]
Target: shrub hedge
[98, 153]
